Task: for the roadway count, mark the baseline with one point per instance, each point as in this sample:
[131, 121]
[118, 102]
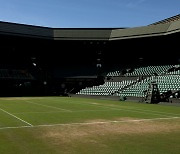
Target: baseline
[90, 123]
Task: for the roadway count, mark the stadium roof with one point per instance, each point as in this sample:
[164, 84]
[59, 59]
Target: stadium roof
[171, 19]
[164, 27]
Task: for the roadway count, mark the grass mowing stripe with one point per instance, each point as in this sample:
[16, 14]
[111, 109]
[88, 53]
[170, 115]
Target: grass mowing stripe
[91, 123]
[48, 106]
[16, 117]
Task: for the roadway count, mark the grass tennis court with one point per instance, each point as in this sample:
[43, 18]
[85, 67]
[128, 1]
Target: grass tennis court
[81, 125]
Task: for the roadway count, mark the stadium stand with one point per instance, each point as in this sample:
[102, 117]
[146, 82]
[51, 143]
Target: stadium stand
[166, 81]
[114, 62]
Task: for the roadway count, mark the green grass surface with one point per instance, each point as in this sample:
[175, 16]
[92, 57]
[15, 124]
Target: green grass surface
[80, 125]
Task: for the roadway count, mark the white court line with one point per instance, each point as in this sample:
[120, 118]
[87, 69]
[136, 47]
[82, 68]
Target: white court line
[123, 109]
[16, 117]
[127, 108]
[112, 107]
[115, 107]
[145, 110]
[15, 127]
[90, 123]
[60, 111]
[106, 122]
[48, 106]
[135, 108]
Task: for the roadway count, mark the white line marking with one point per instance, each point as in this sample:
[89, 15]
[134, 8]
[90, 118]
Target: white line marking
[60, 111]
[114, 107]
[127, 108]
[90, 123]
[135, 108]
[15, 127]
[106, 122]
[132, 109]
[16, 117]
[48, 106]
